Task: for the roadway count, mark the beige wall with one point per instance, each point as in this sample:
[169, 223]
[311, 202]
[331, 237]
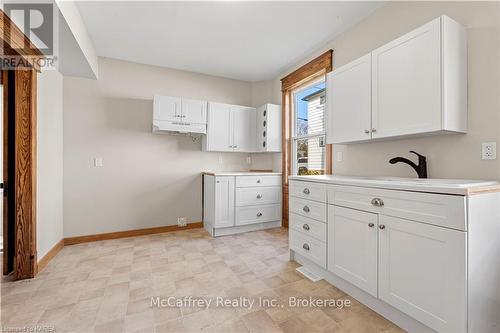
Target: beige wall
[49, 161]
[147, 180]
[451, 156]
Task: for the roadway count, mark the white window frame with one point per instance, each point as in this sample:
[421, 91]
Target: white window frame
[294, 137]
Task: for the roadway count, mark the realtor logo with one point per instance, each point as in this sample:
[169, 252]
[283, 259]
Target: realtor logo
[37, 20]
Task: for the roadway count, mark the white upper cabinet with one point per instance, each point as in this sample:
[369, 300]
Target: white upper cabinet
[243, 129]
[418, 86]
[220, 128]
[348, 116]
[175, 114]
[167, 108]
[194, 111]
[230, 128]
[268, 128]
[407, 83]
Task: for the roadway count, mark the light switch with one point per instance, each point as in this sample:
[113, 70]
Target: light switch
[340, 156]
[97, 162]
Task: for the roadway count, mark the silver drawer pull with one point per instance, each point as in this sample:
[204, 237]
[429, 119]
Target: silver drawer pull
[306, 209]
[259, 196]
[377, 202]
[306, 191]
[259, 214]
[305, 246]
[306, 227]
[258, 181]
[371, 225]
[382, 227]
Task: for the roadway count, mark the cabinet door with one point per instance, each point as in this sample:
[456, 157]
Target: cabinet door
[224, 202]
[422, 272]
[194, 111]
[220, 127]
[244, 129]
[348, 116]
[406, 84]
[352, 247]
[167, 108]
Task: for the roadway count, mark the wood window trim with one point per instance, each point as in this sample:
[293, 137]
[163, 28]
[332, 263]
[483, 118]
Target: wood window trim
[317, 67]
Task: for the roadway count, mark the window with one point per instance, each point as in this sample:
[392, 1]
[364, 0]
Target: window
[308, 130]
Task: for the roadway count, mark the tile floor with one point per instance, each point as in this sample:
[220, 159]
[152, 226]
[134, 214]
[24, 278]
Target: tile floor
[107, 287]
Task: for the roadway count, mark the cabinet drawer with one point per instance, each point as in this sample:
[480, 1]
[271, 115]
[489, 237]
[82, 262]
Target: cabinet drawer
[257, 214]
[308, 247]
[438, 209]
[308, 190]
[247, 196]
[251, 181]
[313, 209]
[308, 226]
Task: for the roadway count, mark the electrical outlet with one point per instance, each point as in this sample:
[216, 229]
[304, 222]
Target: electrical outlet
[489, 151]
[181, 221]
[98, 162]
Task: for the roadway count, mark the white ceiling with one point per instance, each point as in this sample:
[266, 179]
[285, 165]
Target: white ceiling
[249, 41]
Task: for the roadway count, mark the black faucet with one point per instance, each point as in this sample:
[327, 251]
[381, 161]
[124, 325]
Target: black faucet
[421, 168]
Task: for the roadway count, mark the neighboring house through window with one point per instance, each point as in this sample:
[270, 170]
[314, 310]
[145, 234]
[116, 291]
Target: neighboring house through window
[308, 136]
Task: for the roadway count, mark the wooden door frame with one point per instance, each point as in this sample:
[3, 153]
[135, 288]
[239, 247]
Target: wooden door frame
[314, 69]
[20, 97]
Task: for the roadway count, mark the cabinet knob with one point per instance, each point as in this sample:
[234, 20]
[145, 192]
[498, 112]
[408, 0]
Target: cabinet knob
[306, 227]
[377, 202]
[306, 209]
[371, 225]
[381, 227]
[306, 191]
[259, 196]
[306, 246]
[258, 181]
[259, 214]
[367, 131]
[374, 130]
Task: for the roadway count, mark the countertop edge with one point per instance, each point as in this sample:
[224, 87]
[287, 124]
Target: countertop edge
[466, 191]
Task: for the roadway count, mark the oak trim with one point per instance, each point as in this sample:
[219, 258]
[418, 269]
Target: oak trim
[49, 256]
[316, 68]
[25, 258]
[129, 233]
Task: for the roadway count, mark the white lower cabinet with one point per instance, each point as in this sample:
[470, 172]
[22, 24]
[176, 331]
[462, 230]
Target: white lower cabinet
[352, 247]
[429, 256]
[224, 202]
[422, 272]
[246, 202]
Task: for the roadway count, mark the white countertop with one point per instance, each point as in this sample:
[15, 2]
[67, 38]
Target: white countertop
[446, 186]
[242, 173]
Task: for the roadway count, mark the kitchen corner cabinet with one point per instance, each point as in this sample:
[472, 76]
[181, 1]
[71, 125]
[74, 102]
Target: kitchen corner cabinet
[231, 128]
[414, 85]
